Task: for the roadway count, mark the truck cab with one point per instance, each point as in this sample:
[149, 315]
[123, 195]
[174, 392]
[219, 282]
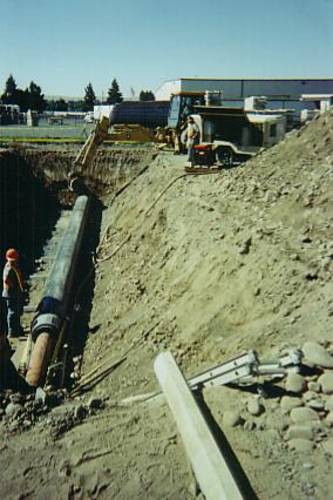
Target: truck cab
[181, 106]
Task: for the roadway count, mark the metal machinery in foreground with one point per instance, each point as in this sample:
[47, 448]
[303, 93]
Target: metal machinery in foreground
[48, 326]
[210, 459]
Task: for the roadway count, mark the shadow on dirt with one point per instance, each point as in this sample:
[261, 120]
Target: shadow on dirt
[28, 211]
[226, 451]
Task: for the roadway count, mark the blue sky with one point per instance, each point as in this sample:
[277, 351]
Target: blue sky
[64, 44]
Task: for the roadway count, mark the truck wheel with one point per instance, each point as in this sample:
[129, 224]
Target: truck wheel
[225, 156]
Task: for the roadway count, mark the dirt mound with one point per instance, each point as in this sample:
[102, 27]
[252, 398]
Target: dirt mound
[229, 261]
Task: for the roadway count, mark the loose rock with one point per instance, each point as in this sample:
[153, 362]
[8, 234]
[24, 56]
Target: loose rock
[301, 415]
[288, 403]
[314, 386]
[295, 383]
[245, 246]
[329, 404]
[316, 354]
[232, 418]
[326, 383]
[13, 409]
[309, 395]
[255, 407]
[316, 404]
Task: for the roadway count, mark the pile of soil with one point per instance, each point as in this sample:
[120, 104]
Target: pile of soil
[206, 267]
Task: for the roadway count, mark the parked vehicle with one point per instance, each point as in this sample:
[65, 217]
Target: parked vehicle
[10, 114]
[235, 135]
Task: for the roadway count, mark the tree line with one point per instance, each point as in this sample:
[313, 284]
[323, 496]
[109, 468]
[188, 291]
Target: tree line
[33, 98]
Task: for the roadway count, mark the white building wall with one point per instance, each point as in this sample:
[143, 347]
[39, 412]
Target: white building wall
[102, 110]
[164, 92]
[231, 88]
[240, 88]
[289, 89]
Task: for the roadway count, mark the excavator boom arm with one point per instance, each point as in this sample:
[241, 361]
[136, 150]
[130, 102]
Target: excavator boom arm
[88, 150]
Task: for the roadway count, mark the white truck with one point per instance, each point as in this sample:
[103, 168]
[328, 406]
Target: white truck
[231, 135]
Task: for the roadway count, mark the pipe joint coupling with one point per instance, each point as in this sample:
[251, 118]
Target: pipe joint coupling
[47, 323]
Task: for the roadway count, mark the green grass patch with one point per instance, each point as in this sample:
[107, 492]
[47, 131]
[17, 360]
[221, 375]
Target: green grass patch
[60, 140]
[41, 140]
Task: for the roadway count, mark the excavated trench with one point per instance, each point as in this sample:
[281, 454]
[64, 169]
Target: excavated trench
[35, 204]
[28, 209]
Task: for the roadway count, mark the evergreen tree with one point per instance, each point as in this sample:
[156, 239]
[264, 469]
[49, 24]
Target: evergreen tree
[89, 98]
[76, 105]
[147, 95]
[22, 98]
[34, 98]
[30, 98]
[9, 94]
[114, 94]
[61, 105]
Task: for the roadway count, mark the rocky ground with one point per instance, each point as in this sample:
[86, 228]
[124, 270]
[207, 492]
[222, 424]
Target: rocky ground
[206, 267]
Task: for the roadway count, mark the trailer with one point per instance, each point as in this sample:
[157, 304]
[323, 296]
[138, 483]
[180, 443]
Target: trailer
[233, 135]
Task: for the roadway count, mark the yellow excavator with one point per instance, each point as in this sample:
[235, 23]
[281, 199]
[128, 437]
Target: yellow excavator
[101, 133]
[130, 121]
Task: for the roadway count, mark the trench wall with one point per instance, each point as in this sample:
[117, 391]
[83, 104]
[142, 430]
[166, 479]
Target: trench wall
[27, 209]
[111, 167]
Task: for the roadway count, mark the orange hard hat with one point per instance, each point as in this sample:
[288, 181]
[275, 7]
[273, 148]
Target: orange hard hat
[12, 254]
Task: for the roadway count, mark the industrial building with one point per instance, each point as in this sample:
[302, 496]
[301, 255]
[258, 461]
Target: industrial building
[281, 92]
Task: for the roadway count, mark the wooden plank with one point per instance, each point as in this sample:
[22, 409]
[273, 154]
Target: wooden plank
[210, 468]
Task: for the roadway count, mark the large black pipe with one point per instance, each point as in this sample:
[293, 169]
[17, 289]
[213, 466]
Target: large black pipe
[53, 307]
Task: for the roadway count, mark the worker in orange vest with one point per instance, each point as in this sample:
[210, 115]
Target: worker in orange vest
[13, 293]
